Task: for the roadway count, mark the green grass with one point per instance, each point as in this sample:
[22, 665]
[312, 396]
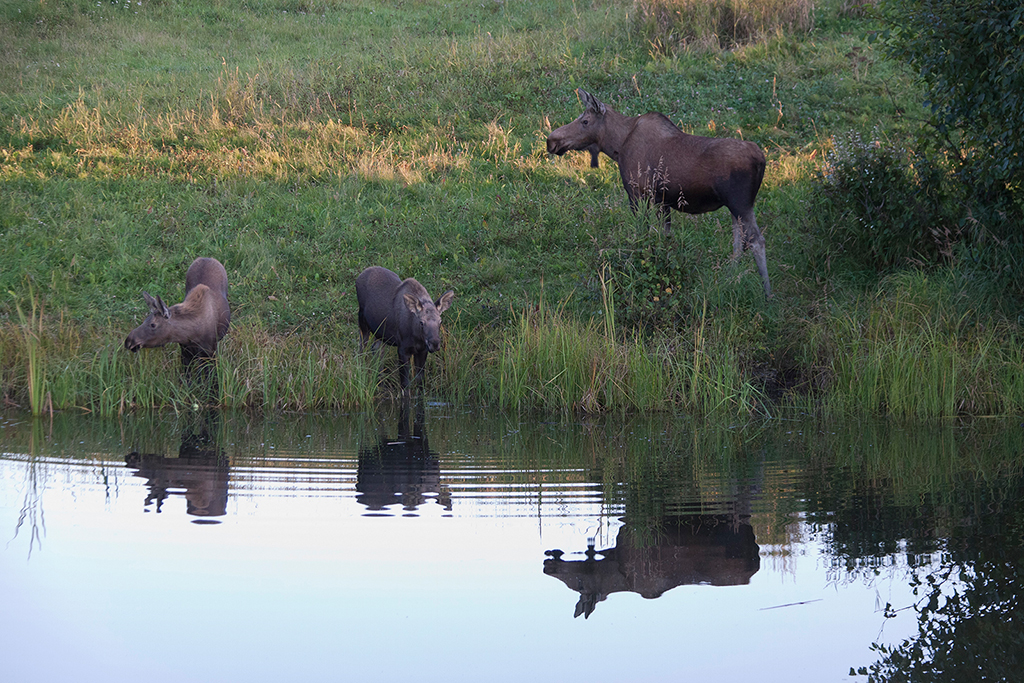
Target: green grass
[300, 141]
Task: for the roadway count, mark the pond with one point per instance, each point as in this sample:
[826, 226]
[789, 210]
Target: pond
[421, 541]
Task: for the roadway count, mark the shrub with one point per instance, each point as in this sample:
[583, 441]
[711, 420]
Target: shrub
[884, 205]
[970, 56]
[654, 279]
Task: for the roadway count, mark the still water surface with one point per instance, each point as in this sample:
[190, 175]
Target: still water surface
[430, 543]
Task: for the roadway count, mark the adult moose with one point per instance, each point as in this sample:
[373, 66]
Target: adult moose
[705, 549]
[400, 313]
[661, 164]
[197, 323]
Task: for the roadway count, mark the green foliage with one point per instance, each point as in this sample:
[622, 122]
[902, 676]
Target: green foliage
[970, 56]
[912, 351]
[654, 276]
[328, 135]
[887, 205]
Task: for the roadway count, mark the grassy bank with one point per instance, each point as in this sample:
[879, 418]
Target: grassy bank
[299, 142]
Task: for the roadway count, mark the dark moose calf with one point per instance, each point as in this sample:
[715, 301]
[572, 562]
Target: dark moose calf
[400, 313]
[197, 323]
[674, 170]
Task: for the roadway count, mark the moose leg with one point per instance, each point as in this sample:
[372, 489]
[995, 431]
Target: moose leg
[199, 371]
[403, 370]
[364, 330]
[366, 336]
[412, 370]
[421, 367]
[191, 355]
[745, 233]
[663, 211]
[737, 238]
[407, 366]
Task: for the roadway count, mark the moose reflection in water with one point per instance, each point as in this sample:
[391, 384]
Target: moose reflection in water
[404, 470]
[199, 471]
[717, 550]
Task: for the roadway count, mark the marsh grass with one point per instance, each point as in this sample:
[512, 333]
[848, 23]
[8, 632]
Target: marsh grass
[328, 138]
[258, 369]
[31, 328]
[719, 24]
[901, 353]
[550, 360]
[905, 354]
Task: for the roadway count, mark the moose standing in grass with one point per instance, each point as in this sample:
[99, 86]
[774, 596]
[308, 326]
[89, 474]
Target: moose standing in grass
[674, 170]
[197, 323]
[400, 313]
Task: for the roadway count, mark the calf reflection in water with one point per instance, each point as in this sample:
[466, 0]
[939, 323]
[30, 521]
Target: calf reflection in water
[717, 550]
[401, 471]
[199, 472]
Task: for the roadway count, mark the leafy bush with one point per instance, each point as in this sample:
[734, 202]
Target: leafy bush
[654, 279]
[970, 56]
[888, 205]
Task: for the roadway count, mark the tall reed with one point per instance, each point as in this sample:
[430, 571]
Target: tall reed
[35, 369]
[709, 373]
[550, 359]
[897, 355]
[903, 359]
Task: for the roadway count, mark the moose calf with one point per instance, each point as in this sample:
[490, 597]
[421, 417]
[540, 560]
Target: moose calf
[400, 313]
[197, 323]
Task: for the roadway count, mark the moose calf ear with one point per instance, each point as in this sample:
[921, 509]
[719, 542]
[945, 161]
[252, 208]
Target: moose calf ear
[154, 306]
[591, 102]
[444, 302]
[412, 303]
[162, 310]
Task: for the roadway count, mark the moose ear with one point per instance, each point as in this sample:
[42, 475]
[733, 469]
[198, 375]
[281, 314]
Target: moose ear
[590, 102]
[445, 301]
[164, 311]
[156, 306]
[412, 303]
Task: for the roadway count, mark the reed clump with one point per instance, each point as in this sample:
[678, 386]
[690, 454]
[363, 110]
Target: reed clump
[31, 329]
[904, 354]
[901, 353]
[271, 372]
[546, 359]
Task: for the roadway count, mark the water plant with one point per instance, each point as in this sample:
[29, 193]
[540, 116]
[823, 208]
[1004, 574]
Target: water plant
[31, 327]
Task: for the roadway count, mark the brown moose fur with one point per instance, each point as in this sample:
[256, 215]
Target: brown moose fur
[661, 164]
[400, 313]
[197, 323]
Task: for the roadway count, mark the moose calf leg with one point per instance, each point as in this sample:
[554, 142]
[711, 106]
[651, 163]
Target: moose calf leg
[199, 370]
